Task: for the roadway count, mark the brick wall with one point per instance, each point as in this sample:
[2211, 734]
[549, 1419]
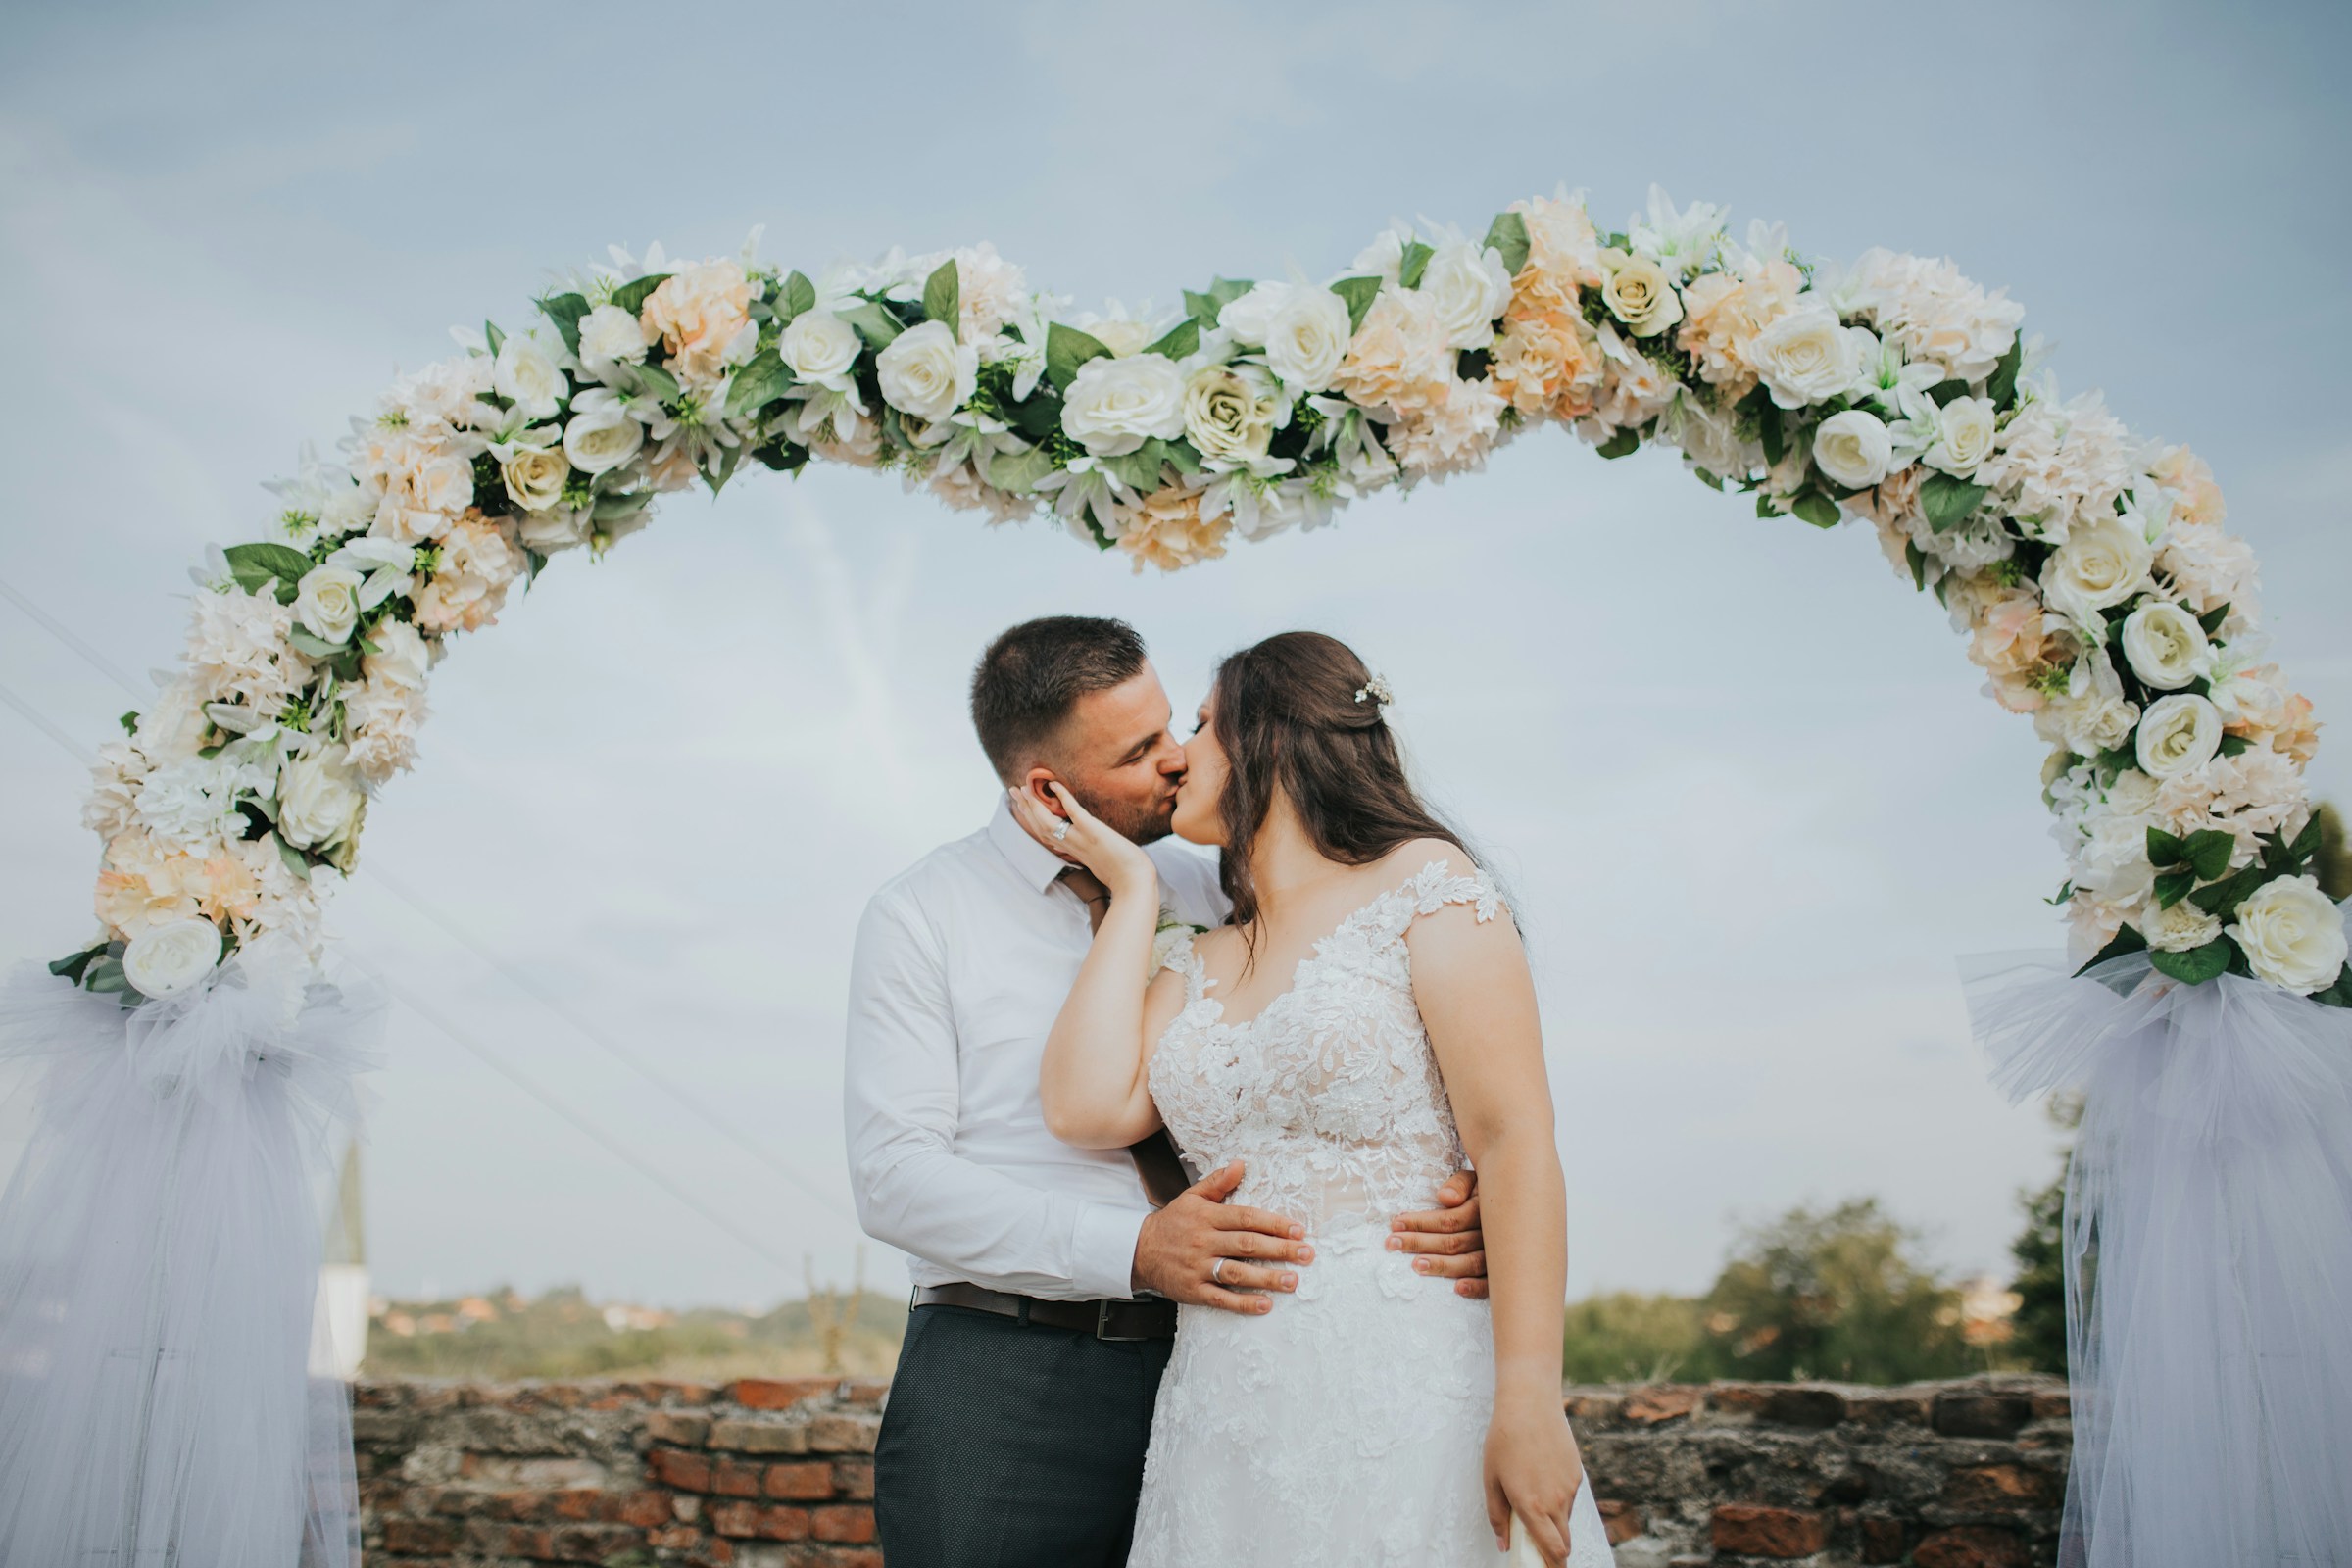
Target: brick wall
[764, 1474]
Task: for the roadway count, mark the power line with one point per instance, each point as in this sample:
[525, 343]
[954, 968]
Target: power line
[449, 927]
[440, 1021]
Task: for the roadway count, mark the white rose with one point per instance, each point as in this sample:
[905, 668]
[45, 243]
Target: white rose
[2292, 934]
[526, 375]
[2166, 646]
[2096, 722]
[1114, 406]
[402, 657]
[2101, 565]
[603, 433]
[171, 957]
[534, 477]
[1853, 449]
[1302, 327]
[820, 347]
[2179, 929]
[614, 335]
[1122, 335]
[1229, 412]
[1806, 356]
[318, 799]
[926, 372]
[560, 528]
[1641, 293]
[327, 603]
[1470, 288]
[2177, 734]
[1964, 434]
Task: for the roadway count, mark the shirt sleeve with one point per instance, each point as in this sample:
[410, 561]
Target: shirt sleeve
[901, 1102]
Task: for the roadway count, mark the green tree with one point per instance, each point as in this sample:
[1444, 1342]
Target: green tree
[1836, 1295]
[2037, 1333]
[1629, 1338]
[2333, 863]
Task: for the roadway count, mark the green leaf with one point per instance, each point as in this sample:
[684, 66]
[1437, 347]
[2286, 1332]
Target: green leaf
[1508, 234]
[2338, 995]
[1917, 560]
[2126, 940]
[2208, 852]
[105, 977]
[71, 965]
[659, 382]
[1415, 262]
[2232, 745]
[1769, 428]
[1624, 443]
[2212, 619]
[256, 563]
[129, 722]
[2165, 849]
[2002, 388]
[873, 324]
[1943, 392]
[1066, 348]
[1472, 365]
[943, 295]
[1946, 501]
[2307, 842]
[492, 335]
[1767, 507]
[1178, 340]
[1815, 509]
[2197, 965]
[757, 385]
[566, 311]
[1359, 293]
[1038, 416]
[1019, 472]
[798, 296]
[310, 647]
[1200, 307]
[2172, 886]
[611, 506]
[294, 860]
[2224, 897]
[631, 296]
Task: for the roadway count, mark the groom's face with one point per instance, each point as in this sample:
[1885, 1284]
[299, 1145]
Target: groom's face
[1117, 756]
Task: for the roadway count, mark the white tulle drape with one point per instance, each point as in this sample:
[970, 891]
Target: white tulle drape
[2208, 1256]
[159, 1265]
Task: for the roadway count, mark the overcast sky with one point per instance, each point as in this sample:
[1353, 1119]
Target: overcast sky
[1739, 775]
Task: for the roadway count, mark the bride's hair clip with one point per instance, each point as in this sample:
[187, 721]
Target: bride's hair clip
[1376, 688]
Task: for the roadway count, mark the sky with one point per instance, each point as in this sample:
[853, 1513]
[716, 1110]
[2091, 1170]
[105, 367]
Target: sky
[1738, 777]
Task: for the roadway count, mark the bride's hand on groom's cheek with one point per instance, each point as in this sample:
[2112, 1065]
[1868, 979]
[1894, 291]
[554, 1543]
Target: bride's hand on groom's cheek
[1447, 1240]
[1208, 1252]
[1124, 869]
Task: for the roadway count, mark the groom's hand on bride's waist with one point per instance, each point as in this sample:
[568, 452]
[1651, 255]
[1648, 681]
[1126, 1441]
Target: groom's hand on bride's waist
[1201, 1250]
[1447, 1241]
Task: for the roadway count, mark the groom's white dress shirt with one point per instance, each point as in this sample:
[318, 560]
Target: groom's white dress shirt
[961, 964]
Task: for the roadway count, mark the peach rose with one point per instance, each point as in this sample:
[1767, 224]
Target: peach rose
[1399, 358]
[1722, 316]
[701, 314]
[1560, 238]
[143, 885]
[2201, 501]
[469, 584]
[1168, 532]
[2013, 646]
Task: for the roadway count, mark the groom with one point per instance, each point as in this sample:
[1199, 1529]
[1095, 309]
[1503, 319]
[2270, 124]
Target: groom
[1044, 1277]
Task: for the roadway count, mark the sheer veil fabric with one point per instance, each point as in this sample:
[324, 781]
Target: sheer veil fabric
[2208, 1255]
[159, 1265]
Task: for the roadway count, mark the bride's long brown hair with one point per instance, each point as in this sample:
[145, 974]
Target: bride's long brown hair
[1287, 716]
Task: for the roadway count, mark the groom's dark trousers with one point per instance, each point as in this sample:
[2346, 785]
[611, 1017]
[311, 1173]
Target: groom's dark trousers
[1011, 1445]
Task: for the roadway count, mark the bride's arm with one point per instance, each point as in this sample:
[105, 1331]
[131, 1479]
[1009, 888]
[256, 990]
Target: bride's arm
[1471, 982]
[1093, 1081]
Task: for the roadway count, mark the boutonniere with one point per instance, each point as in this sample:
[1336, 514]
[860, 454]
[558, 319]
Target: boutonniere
[1173, 930]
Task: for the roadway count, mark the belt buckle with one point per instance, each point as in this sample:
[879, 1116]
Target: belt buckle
[1103, 1325]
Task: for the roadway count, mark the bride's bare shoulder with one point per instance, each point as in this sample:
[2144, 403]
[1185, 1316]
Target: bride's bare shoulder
[1414, 855]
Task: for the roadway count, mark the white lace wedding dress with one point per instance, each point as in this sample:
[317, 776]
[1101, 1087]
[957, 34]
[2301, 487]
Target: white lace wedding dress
[1347, 1426]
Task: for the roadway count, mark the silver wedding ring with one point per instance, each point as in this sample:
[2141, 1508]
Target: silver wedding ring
[1061, 831]
[1216, 1272]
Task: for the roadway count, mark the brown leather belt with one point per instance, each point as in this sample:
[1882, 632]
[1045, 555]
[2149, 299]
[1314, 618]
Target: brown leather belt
[1150, 1318]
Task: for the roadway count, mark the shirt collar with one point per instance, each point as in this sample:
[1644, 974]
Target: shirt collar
[1031, 860]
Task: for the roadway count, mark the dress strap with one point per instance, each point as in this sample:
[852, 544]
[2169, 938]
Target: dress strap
[1172, 949]
[1434, 886]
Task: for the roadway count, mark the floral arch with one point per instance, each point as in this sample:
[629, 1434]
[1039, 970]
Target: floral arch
[2088, 570]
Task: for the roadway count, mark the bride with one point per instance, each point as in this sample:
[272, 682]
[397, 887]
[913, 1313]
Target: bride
[1363, 1024]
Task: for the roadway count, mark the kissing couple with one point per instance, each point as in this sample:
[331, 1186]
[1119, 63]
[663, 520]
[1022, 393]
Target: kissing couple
[1305, 1333]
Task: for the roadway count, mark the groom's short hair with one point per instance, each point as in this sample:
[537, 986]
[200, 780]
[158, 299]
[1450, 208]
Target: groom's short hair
[1031, 676]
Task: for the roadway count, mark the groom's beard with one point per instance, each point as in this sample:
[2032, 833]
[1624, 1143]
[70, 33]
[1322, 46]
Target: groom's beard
[1141, 824]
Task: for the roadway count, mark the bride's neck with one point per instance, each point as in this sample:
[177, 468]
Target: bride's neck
[1283, 862]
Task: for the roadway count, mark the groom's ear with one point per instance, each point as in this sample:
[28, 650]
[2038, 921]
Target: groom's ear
[1034, 783]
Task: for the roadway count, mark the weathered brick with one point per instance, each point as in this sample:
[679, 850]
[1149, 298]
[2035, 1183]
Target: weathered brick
[732, 1478]
[846, 1522]
[671, 1467]
[760, 1436]
[738, 1519]
[1972, 1547]
[1972, 1413]
[685, 1428]
[808, 1482]
[1622, 1520]
[866, 1394]
[2003, 1488]
[673, 1537]
[1888, 1408]
[1881, 1540]
[594, 1543]
[773, 1394]
[1812, 1408]
[1661, 1402]
[644, 1509]
[1753, 1530]
[421, 1537]
[843, 1434]
[854, 1480]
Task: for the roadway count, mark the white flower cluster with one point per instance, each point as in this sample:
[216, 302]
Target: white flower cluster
[2088, 570]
